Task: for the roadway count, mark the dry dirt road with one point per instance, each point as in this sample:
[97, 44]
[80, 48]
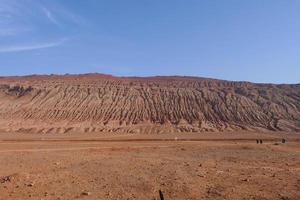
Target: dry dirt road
[182, 166]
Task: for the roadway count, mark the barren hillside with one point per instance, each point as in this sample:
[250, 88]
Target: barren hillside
[96, 102]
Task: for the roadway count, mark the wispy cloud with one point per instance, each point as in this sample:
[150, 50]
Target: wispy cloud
[16, 15]
[26, 20]
[50, 16]
[30, 47]
[8, 14]
[59, 15]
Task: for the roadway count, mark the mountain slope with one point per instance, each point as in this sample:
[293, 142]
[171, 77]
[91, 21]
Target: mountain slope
[96, 102]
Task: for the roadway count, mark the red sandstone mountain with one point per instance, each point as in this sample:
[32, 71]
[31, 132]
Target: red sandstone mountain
[96, 102]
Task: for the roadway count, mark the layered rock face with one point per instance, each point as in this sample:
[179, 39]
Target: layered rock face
[103, 103]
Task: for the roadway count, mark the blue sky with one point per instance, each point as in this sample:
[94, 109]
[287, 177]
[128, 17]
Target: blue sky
[253, 40]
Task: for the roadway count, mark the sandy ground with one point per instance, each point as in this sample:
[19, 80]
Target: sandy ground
[182, 166]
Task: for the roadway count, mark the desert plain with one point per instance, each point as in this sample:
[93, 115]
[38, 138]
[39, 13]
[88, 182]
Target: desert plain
[228, 165]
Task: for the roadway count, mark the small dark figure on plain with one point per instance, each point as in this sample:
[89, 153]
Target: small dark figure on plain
[161, 195]
[260, 141]
[283, 140]
[257, 141]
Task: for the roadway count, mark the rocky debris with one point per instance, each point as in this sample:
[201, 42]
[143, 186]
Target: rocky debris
[85, 193]
[16, 177]
[201, 175]
[215, 192]
[5, 179]
[161, 195]
[283, 197]
[103, 103]
[30, 184]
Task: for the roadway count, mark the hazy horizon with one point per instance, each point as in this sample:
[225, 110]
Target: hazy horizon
[145, 76]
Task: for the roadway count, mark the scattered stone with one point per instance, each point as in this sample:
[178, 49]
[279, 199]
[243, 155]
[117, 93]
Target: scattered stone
[214, 192]
[5, 179]
[201, 175]
[86, 193]
[30, 185]
[283, 197]
[161, 195]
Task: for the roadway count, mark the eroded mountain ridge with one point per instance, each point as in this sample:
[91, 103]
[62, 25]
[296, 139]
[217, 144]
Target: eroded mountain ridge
[104, 103]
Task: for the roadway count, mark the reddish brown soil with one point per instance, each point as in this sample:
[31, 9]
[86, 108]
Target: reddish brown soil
[107, 166]
[103, 103]
[91, 153]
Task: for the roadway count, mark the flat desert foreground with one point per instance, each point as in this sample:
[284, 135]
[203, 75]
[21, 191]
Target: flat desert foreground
[181, 166]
